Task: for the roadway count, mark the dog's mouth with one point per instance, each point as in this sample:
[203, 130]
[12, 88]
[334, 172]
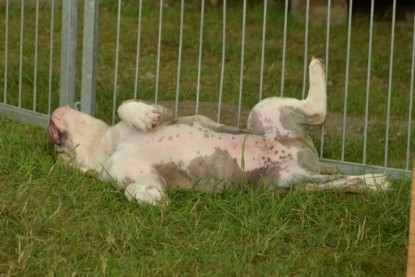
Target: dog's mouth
[55, 134]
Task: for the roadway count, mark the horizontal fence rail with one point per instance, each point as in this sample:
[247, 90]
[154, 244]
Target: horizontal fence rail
[219, 61]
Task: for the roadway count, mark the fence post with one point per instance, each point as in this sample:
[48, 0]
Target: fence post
[68, 52]
[89, 56]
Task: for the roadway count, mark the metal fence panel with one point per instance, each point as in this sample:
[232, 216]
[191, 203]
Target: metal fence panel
[172, 53]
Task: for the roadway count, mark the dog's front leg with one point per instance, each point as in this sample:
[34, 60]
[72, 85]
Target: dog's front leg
[143, 116]
[147, 190]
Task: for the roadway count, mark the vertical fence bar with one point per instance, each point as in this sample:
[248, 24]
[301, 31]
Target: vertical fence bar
[199, 67]
[264, 25]
[117, 50]
[327, 70]
[390, 85]
[411, 93]
[305, 48]
[241, 78]
[369, 63]
[137, 59]
[36, 46]
[68, 52]
[222, 71]
[6, 44]
[52, 18]
[21, 53]
[179, 60]
[89, 56]
[284, 44]
[159, 52]
[349, 31]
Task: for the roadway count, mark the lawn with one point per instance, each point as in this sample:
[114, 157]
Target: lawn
[54, 220]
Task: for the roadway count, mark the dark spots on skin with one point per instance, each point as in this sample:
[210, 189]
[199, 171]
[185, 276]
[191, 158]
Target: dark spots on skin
[178, 135]
[233, 137]
[198, 152]
[219, 165]
[170, 138]
[293, 119]
[200, 129]
[308, 159]
[175, 177]
[161, 139]
[206, 135]
[64, 137]
[219, 138]
[272, 147]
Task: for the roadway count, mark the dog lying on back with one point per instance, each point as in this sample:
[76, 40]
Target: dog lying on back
[148, 153]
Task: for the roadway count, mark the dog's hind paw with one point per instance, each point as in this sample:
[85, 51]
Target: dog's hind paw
[377, 182]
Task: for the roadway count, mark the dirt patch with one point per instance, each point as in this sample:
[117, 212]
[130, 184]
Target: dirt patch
[228, 111]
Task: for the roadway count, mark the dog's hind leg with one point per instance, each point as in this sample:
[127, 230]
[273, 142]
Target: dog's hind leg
[354, 184]
[285, 117]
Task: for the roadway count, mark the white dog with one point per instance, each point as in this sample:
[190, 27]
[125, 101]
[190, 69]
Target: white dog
[149, 158]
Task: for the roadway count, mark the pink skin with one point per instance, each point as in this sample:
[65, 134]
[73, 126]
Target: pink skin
[148, 160]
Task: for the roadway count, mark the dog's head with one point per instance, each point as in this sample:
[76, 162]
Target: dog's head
[75, 135]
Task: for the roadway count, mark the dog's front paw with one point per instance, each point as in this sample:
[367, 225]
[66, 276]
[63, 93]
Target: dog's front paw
[146, 193]
[140, 115]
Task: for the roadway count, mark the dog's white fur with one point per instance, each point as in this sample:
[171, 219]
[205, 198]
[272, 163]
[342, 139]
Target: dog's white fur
[148, 157]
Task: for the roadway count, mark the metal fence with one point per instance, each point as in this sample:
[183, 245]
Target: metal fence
[217, 61]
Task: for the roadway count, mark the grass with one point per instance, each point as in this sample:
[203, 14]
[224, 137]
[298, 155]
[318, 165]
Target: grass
[54, 220]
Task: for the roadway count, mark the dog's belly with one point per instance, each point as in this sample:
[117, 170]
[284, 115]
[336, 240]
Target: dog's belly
[199, 152]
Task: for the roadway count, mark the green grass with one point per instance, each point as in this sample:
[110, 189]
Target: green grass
[54, 220]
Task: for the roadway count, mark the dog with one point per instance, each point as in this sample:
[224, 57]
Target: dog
[148, 153]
